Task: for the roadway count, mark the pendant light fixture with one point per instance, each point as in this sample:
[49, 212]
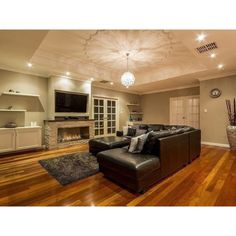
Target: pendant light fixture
[127, 79]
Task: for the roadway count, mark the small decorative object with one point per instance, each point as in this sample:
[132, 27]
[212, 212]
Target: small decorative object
[10, 107]
[215, 93]
[11, 125]
[231, 129]
[33, 123]
[17, 91]
[11, 91]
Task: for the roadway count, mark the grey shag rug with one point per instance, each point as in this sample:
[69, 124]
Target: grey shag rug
[70, 168]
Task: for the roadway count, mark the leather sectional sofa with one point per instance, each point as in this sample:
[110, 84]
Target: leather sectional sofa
[167, 149]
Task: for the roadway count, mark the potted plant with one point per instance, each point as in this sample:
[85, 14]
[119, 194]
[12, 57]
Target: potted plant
[231, 129]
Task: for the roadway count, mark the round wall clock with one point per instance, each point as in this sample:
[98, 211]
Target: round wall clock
[215, 93]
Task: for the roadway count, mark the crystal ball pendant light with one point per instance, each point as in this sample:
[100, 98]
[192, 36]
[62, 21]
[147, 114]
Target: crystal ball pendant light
[127, 79]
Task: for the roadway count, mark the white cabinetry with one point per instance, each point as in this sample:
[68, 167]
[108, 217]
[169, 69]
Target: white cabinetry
[20, 138]
[7, 140]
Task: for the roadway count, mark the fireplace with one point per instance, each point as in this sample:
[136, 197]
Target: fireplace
[59, 134]
[72, 134]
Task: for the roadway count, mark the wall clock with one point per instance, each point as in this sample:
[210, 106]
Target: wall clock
[215, 93]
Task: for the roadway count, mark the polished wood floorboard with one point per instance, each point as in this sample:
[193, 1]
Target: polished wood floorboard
[208, 181]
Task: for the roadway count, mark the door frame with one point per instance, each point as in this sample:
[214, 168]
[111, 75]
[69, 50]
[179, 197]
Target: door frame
[117, 112]
[184, 97]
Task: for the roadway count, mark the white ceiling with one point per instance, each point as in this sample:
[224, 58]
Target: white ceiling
[159, 59]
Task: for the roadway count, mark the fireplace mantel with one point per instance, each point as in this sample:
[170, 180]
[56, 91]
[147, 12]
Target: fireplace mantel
[51, 132]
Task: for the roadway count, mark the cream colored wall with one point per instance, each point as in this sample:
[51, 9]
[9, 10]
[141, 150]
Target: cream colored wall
[70, 85]
[155, 106]
[214, 121]
[123, 98]
[25, 84]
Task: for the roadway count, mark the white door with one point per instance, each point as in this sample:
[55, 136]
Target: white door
[7, 140]
[105, 116]
[184, 111]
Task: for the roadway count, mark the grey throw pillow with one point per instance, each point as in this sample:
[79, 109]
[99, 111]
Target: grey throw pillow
[137, 143]
[133, 144]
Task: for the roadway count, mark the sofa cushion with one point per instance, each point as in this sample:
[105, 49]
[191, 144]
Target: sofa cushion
[151, 145]
[155, 127]
[100, 144]
[140, 132]
[175, 127]
[132, 165]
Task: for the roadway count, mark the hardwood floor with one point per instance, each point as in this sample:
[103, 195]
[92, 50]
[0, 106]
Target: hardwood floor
[209, 180]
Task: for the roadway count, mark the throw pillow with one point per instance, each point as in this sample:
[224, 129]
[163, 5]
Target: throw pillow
[141, 141]
[137, 143]
[131, 132]
[133, 144]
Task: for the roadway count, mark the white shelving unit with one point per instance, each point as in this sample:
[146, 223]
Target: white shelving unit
[133, 104]
[135, 113]
[20, 94]
[13, 110]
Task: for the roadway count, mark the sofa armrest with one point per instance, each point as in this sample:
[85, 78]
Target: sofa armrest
[173, 152]
[194, 144]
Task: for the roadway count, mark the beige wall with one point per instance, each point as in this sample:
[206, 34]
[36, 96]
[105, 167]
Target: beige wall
[155, 106]
[214, 121]
[123, 98]
[37, 107]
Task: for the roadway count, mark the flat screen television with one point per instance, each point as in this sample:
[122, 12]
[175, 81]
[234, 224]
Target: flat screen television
[70, 102]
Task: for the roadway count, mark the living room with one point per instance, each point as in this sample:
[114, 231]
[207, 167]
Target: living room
[117, 116]
[34, 103]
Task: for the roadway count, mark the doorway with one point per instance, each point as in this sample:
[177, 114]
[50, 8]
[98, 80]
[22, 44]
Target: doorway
[185, 111]
[105, 116]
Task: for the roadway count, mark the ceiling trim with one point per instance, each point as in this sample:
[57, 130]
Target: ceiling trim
[171, 89]
[27, 72]
[221, 75]
[118, 90]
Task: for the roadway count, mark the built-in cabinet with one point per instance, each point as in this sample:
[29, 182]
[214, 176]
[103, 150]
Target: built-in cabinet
[20, 138]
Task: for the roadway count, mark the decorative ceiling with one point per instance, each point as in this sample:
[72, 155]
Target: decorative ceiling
[159, 59]
[146, 48]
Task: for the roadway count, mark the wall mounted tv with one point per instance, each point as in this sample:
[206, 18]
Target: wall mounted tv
[70, 102]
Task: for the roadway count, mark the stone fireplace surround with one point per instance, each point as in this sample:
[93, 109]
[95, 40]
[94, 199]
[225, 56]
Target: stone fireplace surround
[52, 127]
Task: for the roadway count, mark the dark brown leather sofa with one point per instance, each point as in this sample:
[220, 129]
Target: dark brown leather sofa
[165, 152]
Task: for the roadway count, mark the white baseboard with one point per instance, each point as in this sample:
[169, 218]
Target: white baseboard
[216, 144]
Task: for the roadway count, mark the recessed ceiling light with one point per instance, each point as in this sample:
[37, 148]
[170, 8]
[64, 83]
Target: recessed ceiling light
[111, 83]
[201, 37]
[29, 64]
[213, 55]
[220, 66]
[67, 73]
[92, 79]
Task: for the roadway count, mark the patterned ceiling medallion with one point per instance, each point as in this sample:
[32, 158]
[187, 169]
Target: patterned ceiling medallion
[146, 48]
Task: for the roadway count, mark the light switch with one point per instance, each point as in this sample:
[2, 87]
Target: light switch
[205, 110]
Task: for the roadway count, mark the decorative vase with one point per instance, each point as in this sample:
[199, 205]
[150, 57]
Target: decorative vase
[231, 133]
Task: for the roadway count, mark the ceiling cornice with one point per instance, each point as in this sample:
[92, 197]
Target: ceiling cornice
[220, 75]
[117, 89]
[171, 89]
[27, 72]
